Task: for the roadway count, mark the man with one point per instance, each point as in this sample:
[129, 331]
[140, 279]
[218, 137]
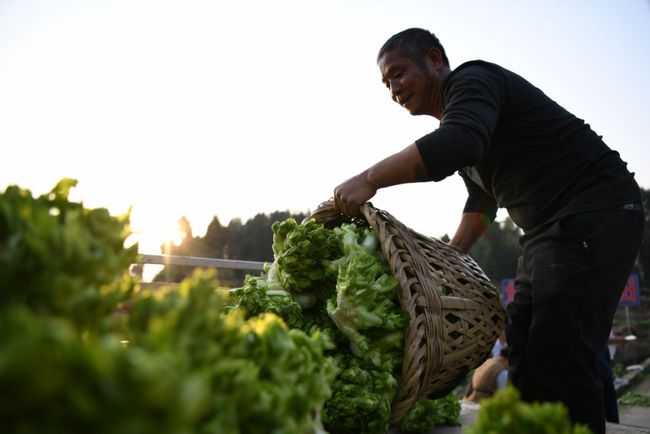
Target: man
[488, 378]
[571, 194]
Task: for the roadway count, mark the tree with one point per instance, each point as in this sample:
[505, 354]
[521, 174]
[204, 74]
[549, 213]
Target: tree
[498, 250]
[216, 238]
[250, 241]
[184, 228]
[189, 246]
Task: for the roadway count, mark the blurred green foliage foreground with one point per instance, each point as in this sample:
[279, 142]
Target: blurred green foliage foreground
[312, 346]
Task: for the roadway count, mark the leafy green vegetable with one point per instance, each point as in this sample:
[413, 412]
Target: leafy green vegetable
[365, 298]
[634, 398]
[505, 413]
[60, 258]
[619, 370]
[255, 372]
[256, 298]
[301, 250]
[429, 413]
[354, 306]
[53, 381]
[361, 398]
[365, 308]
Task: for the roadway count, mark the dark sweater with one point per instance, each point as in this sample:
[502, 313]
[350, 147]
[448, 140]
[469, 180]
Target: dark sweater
[516, 148]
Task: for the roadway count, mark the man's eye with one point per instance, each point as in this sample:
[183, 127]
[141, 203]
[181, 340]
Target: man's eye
[395, 76]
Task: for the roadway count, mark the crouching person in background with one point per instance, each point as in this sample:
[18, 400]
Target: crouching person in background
[488, 378]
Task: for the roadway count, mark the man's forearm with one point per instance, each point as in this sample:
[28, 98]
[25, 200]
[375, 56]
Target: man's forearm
[472, 227]
[404, 167]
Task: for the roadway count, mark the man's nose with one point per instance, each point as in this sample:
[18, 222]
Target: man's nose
[395, 89]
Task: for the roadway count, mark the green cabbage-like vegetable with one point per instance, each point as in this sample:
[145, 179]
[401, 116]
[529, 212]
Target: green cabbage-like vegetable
[256, 298]
[429, 413]
[354, 304]
[365, 299]
[255, 372]
[361, 398]
[301, 251]
[53, 381]
[60, 258]
[506, 413]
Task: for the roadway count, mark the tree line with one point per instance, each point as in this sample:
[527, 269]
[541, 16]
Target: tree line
[496, 252]
[250, 241]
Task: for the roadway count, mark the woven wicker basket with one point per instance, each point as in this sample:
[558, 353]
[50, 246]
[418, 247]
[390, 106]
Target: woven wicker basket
[456, 314]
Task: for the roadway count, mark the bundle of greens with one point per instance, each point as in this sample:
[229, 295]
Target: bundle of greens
[59, 258]
[366, 295]
[361, 397]
[246, 373]
[54, 381]
[427, 413]
[256, 297]
[301, 252]
[506, 413]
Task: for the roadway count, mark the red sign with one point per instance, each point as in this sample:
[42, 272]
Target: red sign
[507, 291]
[629, 297]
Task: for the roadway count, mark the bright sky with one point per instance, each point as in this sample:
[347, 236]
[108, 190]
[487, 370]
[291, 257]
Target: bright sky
[201, 108]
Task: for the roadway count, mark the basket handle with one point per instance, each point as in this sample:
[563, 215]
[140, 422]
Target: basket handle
[329, 216]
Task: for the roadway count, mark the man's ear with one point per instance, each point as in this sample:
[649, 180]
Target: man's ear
[435, 57]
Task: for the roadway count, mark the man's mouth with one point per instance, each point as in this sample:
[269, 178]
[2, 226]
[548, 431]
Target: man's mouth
[403, 101]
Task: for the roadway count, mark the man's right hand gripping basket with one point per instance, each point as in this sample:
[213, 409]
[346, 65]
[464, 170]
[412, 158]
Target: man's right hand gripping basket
[456, 313]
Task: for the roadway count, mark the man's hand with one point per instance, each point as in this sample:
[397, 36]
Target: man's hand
[350, 195]
[472, 227]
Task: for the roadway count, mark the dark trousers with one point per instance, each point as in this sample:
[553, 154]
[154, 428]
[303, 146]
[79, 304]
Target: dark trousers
[569, 280]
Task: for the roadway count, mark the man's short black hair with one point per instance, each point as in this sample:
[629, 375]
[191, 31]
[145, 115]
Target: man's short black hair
[415, 43]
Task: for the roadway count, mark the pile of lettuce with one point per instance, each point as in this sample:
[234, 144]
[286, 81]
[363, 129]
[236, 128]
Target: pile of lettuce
[83, 350]
[337, 283]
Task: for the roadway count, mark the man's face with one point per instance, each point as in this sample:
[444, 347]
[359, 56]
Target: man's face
[411, 85]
